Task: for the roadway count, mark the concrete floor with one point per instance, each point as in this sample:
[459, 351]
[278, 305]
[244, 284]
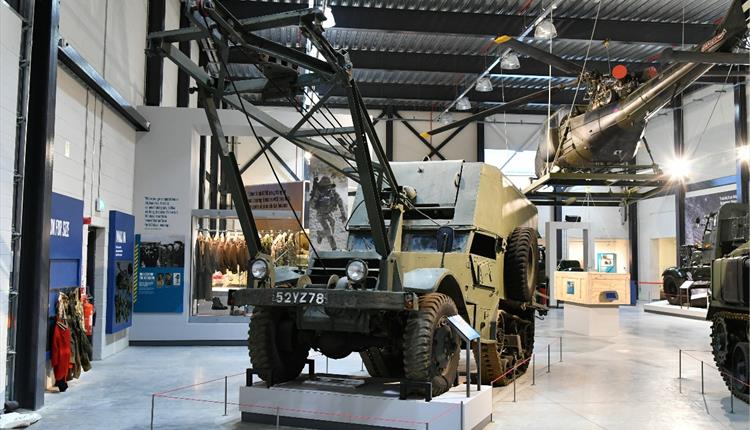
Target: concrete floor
[624, 382]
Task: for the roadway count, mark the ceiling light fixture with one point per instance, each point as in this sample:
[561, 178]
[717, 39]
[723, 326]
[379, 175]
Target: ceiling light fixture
[743, 153]
[484, 84]
[445, 118]
[678, 168]
[510, 61]
[545, 30]
[463, 104]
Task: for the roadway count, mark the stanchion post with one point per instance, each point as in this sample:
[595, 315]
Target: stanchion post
[731, 401]
[153, 401]
[226, 378]
[533, 369]
[548, 358]
[702, 386]
[326, 364]
[462, 415]
[278, 417]
[514, 385]
[560, 349]
[679, 377]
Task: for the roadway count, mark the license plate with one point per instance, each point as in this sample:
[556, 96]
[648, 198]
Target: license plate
[300, 298]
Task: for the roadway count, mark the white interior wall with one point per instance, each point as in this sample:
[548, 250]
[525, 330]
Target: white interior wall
[82, 24]
[94, 156]
[94, 148]
[169, 72]
[10, 44]
[174, 141]
[709, 133]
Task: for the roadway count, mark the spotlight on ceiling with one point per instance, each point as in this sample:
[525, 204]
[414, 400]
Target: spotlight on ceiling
[445, 118]
[743, 153]
[330, 21]
[484, 84]
[678, 169]
[463, 103]
[510, 61]
[545, 30]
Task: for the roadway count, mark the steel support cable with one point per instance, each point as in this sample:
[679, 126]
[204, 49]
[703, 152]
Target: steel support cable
[710, 116]
[268, 159]
[578, 83]
[297, 107]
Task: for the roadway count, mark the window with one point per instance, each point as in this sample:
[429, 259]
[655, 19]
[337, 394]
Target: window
[416, 241]
[484, 246]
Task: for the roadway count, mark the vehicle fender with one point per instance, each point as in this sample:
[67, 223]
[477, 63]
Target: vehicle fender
[436, 280]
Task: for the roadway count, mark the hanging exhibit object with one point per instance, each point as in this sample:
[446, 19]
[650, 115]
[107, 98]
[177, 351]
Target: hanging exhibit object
[120, 270]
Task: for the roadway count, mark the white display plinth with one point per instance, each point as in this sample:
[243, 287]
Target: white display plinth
[374, 405]
[663, 307]
[592, 320]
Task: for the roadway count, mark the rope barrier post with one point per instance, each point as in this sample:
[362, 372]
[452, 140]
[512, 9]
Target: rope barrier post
[514, 385]
[326, 364]
[153, 401]
[278, 417]
[426, 426]
[533, 369]
[560, 349]
[468, 368]
[702, 387]
[548, 358]
[226, 378]
[462, 415]
[731, 401]
[362, 366]
[679, 377]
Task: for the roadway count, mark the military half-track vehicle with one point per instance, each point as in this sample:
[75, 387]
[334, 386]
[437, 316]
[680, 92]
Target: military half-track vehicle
[426, 240]
[729, 308]
[467, 246]
[695, 265]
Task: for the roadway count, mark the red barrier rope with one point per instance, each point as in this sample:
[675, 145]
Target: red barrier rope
[195, 385]
[512, 369]
[715, 368]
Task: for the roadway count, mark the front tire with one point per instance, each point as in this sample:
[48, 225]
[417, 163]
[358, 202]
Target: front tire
[276, 350]
[672, 288]
[431, 348]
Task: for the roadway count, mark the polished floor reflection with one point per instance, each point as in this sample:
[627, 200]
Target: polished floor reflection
[628, 381]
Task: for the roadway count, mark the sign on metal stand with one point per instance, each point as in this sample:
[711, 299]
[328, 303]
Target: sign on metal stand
[468, 334]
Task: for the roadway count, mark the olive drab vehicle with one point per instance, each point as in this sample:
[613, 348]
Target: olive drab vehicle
[729, 309]
[467, 246]
[695, 265]
[426, 240]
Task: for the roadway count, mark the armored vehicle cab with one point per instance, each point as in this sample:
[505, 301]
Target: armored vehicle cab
[465, 243]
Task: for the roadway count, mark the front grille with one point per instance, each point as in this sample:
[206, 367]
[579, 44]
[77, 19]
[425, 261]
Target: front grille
[322, 269]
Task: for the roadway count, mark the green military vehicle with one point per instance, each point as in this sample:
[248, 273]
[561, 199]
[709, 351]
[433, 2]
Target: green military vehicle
[729, 308]
[695, 265]
[465, 243]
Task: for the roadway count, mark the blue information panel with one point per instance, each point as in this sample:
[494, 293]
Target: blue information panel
[65, 245]
[161, 269]
[120, 271]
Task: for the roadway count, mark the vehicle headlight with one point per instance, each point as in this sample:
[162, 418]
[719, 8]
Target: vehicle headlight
[259, 269]
[356, 270]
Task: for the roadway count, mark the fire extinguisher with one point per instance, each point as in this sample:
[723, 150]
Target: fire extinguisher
[88, 315]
